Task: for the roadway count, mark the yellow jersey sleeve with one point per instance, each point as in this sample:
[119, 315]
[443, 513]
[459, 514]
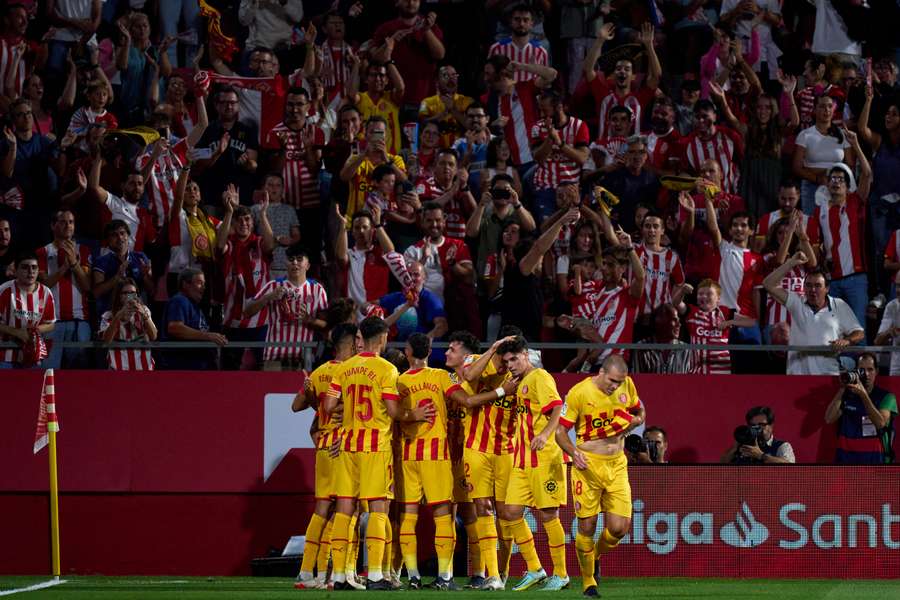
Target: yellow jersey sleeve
[572, 407]
[547, 395]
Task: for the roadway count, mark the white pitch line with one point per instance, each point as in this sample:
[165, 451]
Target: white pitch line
[32, 588]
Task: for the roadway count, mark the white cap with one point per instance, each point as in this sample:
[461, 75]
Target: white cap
[851, 180]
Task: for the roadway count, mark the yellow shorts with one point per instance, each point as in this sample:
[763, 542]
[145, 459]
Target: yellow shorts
[365, 475]
[487, 475]
[539, 487]
[603, 486]
[460, 485]
[325, 474]
[428, 479]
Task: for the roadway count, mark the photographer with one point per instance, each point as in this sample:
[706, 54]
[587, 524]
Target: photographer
[649, 449]
[755, 442]
[864, 414]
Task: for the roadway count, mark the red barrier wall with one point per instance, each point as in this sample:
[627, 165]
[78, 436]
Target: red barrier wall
[165, 473]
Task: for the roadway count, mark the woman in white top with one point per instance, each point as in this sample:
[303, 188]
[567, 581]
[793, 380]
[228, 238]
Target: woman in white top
[819, 147]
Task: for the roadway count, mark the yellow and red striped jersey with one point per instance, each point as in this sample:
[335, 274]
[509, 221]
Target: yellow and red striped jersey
[417, 387]
[594, 414]
[366, 382]
[537, 397]
[319, 381]
[491, 428]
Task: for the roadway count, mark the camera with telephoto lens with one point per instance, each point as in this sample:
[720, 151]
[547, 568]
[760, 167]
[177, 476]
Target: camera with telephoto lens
[853, 377]
[749, 435]
[635, 444]
[653, 449]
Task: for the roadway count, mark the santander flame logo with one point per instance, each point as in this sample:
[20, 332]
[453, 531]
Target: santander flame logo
[745, 531]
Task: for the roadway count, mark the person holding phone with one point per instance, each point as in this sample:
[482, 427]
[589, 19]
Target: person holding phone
[128, 320]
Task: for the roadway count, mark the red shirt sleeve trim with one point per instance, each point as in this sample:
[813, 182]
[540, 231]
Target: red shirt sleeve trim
[566, 424]
[549, 408]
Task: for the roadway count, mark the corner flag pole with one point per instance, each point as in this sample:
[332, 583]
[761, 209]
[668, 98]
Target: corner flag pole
[47, 428]
[54, 507]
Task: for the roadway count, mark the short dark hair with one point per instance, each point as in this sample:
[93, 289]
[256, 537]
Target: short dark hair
[340, 310]
[348, 108]
[276, 174]
[789, 183]
[552, 96]
[616, 253]
[341, 332]
[475, 105]
[653, 428]
[396, 358]
[868, 355]
[432, 205]
[499, 62]
[371, 327]
[653, 213]
[517, 345]
[24, 255]
[466, 339]
[501, 177]
[113, 225]
[704, 105]
[420, 344]
[294, 251]
[760, 410]
[508, 330]
[742, 214]
[187, 276]
[375, 119]
[819, 272]
[621, 109]
[690, 85]
[226, 89]
[381, 171]
[296, 90]
[242, 211]
[363, 213]
[450, 151]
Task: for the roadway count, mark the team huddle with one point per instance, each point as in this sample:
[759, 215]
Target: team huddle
[481, 441]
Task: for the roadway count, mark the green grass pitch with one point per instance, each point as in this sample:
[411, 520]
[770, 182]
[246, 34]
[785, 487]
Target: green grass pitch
[250, 588]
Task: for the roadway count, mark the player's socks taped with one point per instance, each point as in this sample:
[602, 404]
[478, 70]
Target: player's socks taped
[475, 555]
[556, 539]
[340, 542]
[443, 544]
[506, 544]
[311, 550]
[487, 541]
[584, 550]
[408, 545]
[607, 542]
[324, 549]
[376, 531]
[525, 541]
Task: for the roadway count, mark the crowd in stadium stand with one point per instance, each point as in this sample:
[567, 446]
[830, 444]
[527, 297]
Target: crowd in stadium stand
[610, 171]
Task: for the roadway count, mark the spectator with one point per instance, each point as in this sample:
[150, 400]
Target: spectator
[450, 189]
[179, 20]
[521, 47]
[663, 139]
[7, 256]
[118, 263]
[137, 219]
[419, 45]
[666, 330]
[815, 85]
[788, 199]
[128, 320]
[490, 289]
[14, 46]
[345, 142]
[138, 62]
[74, 23]
[244, 259]
[38, 162]
[499, 160]
[559, 145]
[584, 245]
[294, 306]
[185, 321]
[839, 224]
[657, 441]
[425, 314]
[664, 274]
[608, 152]
[365, 266]
[498, 205]
[709, 141]
[42, 117]
[684, 110]
[818, 148]
[620, 92]
[282, 220]
[447, 108]
[65, 269]
[230, 153]
[864, 414]
[270, 24]
[708, 324]
[333, 62]
[359, 166]
[472, 148]
[816, 320]
[632, 183]
[758, 17]
[757, 443]
[192, 233]
[578, 29]
[421, 164]
[320, 113]
[379, 100]
[92, 114]
[888, 331]
[27, 315]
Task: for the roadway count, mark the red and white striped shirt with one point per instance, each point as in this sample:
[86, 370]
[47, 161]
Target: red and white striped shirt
[661, 147]
[769, 219]
[368, 271]
[706, 328]
[246, 269]
[454, 213]
[725, 147]
[532, 53]
[613, 313]
[520, 107]
[128, 359]
[892, 250]
[335, 71]
[606, 98]
[6, 64]
[558, 169]
[792, 282]
[301, 186]
[163, 177]
[739, 272]
[841, 231]
[611, 147]
[285, 324]
[71, 302]
[662, 271]
[23, 310]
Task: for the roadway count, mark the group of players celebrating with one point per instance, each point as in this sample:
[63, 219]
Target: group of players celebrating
[481, 441]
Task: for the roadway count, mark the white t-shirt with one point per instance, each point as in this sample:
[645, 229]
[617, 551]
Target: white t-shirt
[768, 50]
[890, 320]
[817, 328]
[125, 211]
[822, 151]
[830, 35]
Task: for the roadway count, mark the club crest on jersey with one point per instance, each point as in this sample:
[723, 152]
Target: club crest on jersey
[623, 398]
[550, 485]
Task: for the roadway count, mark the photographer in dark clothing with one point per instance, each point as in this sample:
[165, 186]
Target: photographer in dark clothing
[755, 442]
[864, 414]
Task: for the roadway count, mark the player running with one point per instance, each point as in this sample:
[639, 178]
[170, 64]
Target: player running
[603, 409]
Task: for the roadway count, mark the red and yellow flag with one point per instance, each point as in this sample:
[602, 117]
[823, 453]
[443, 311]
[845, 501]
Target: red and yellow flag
[225, 46]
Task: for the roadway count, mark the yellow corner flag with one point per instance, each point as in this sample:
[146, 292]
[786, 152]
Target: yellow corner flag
[47, 427]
